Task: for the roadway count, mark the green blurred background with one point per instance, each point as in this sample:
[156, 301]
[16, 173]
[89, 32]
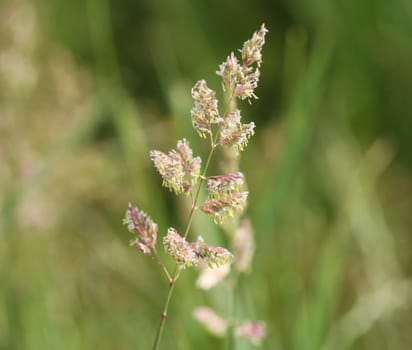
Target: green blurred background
[87, 88]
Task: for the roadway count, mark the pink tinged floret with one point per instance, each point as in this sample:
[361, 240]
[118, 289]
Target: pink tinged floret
[184, 150]
[179, 170]
[231, 121]
[170, 168]
[143, 248]
[230, 71]
[180, 249]
[252, 48]
[213, 256]
[214, 323]
[246, 86]
[231, 64]
[243, 245]
[210, 277]
[237, 138]
[204, 111]
[222, 184]
[243, 78]
[254, 331]
[227, 206]
[140, 224]
[191, 166]
[233, 133]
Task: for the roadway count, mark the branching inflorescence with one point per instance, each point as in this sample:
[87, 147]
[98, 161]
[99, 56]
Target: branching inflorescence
[181, 173]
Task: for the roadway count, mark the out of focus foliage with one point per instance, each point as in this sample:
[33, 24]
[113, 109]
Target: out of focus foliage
[88, 87]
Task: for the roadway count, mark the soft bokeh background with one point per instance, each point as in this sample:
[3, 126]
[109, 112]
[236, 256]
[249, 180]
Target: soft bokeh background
[88, 87]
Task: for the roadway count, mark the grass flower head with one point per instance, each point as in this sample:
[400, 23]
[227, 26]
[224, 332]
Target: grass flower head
[140, 224]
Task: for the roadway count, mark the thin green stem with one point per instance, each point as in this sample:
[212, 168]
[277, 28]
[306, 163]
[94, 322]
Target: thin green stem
[230, 107]
[202, 179]
[176, 272]
[166, 307]
[163, 267]
[231, 340]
